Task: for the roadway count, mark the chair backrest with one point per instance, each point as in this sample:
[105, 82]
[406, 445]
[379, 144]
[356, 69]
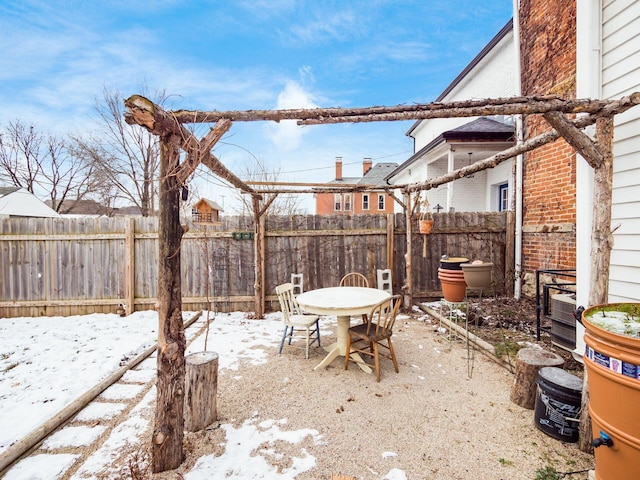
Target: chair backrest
[354, 279]
[384, 280]
[384, 315]
[287, 299]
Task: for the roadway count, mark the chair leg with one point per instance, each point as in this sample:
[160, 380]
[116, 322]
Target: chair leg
[306, 350]
[318, 332]
[375, 351]
[393, 355]
[291, 330]
[284, 337]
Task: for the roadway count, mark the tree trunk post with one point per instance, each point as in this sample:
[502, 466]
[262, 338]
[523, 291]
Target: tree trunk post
[258, 248]
[529, 361]
[168, 434]
[407, 288]
[201, 386]
[601, 245]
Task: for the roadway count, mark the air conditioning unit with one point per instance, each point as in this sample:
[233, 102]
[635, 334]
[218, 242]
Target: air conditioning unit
[563, 323]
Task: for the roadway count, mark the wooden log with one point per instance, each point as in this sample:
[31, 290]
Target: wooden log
[529, 361]
[201, 386]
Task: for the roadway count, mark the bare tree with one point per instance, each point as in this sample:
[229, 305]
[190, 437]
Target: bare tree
[20, 152]
[124, 156]
[283, 205]
[43, 165]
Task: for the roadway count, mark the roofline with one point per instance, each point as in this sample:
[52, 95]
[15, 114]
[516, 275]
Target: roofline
[416, 156]
[478, 58]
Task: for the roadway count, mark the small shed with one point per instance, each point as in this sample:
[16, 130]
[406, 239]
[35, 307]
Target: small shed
[19, 202]
[206, 211]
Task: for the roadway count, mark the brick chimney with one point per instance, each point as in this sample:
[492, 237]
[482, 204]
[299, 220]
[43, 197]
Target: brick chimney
[338, 168]
[366, 165]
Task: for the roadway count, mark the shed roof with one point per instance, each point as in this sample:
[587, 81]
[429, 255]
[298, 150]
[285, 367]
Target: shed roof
[19, 202]
[213, 205]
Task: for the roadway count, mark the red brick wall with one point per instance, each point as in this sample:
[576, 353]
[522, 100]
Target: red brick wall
[548, 59]
[325, 204]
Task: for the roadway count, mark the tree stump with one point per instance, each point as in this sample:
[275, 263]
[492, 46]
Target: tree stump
[529, 361]
[201, 386]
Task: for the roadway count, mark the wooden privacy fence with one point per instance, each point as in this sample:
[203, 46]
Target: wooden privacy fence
[72, 266]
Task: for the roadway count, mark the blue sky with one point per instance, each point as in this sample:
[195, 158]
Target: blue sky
[256, 54]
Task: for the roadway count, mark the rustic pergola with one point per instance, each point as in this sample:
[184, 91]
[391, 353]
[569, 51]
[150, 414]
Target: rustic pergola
[175, 137]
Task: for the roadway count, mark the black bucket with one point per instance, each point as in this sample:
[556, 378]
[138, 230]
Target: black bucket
[557, 407]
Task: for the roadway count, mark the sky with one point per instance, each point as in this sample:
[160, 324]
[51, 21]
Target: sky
[59, 57]
[74, 353]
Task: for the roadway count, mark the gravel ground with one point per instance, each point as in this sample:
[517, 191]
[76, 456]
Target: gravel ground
[444, 416]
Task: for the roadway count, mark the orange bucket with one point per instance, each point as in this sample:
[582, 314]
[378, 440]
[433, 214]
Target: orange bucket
[612, 361]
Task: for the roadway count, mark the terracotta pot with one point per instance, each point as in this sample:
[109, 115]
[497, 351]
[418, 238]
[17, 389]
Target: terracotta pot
[612, 361]
[477, 275]
[450, 274]
[426, 226]
[453, 290]
[453, 285]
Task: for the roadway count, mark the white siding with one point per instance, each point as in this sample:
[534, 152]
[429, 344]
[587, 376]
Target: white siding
[621, 76]
[493, 77]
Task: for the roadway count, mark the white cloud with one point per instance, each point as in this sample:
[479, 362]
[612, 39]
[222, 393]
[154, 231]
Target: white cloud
[287, 134]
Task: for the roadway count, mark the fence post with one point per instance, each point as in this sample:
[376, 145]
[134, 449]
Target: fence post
[390, 239]
[130, 257]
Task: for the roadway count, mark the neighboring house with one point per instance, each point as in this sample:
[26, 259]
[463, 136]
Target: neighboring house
[19, 202]
[206, 211]
[442, 145]
[374, 200]
[457, 148]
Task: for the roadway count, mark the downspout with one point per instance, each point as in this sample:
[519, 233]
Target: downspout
[517, 287]
[588, 85]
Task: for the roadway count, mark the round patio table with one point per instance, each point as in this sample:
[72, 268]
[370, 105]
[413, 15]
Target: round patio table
[342, 302]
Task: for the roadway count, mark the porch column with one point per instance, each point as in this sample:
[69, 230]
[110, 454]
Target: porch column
[450, 168]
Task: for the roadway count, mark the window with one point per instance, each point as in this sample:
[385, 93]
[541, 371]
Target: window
[337, 202]
[503, 197]
[365, 201]
[347, 202]
[381, 202]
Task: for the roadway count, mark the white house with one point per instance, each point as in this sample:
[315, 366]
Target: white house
[445, 144]
[19, 202]
[608, 62]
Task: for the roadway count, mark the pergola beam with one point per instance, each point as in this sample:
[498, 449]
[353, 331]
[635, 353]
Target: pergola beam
[469, 108]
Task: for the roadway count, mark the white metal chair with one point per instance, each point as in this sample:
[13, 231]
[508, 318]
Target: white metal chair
[296, 321]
